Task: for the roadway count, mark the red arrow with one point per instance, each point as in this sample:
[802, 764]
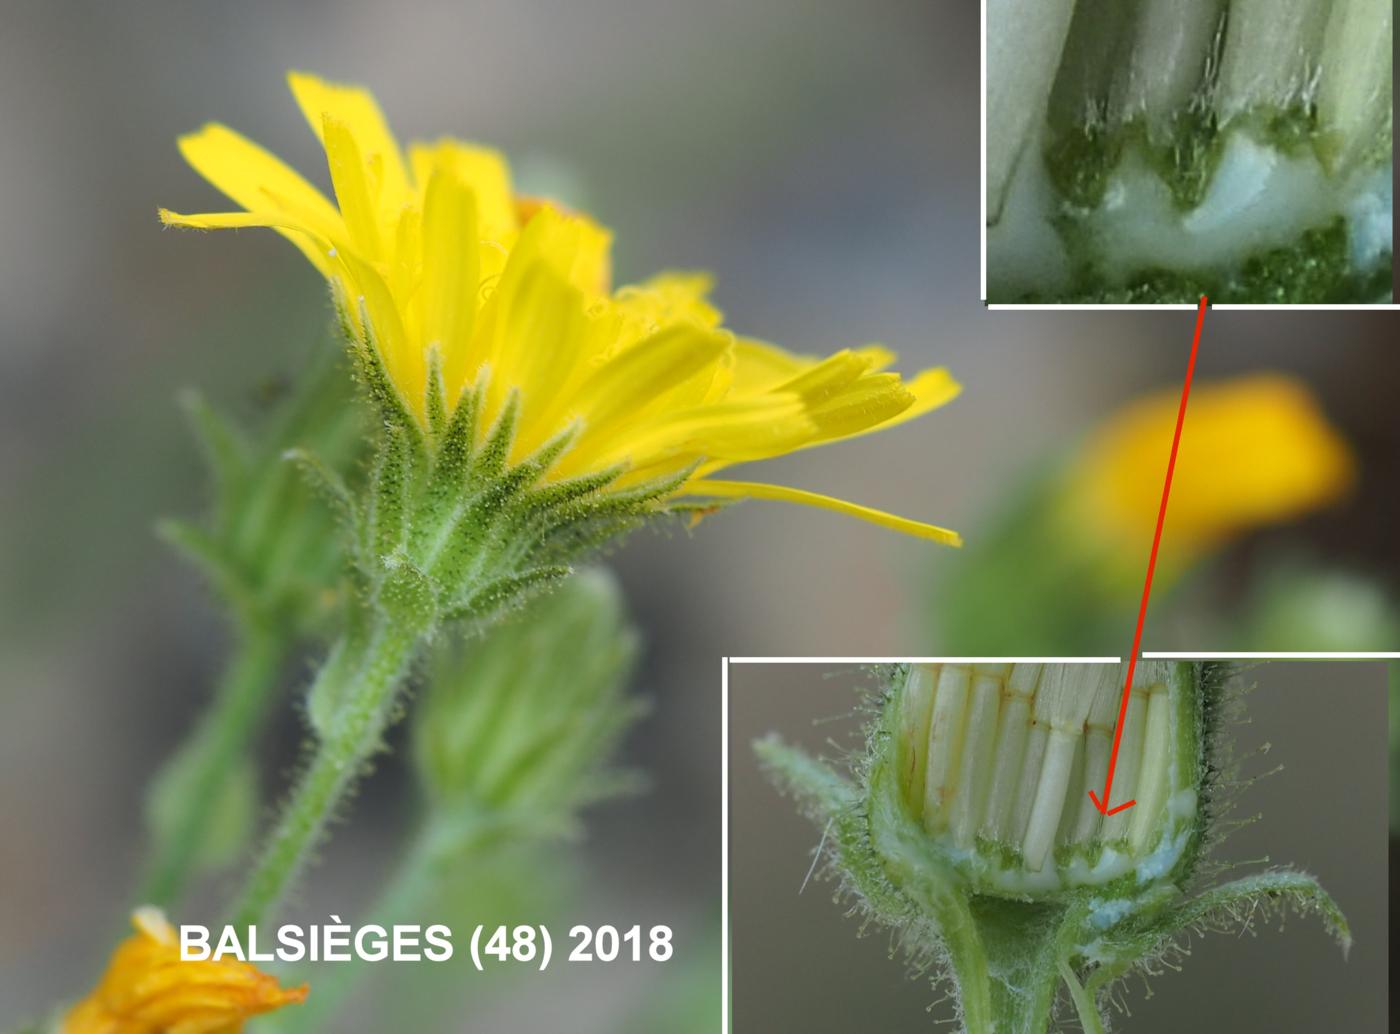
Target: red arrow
[1102, 803]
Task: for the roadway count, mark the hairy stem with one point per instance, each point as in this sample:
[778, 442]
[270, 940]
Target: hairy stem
[207, 758]
[969, 959]
[366, 702]
[1089, 1017]
[410, 889]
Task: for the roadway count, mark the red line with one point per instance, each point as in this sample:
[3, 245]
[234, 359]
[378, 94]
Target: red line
[1151, 568]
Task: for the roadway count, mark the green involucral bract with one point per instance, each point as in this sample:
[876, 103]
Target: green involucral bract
[967, 827]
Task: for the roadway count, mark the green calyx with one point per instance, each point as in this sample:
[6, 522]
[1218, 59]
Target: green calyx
[445, 529]
[448, 527]
[1013, 894]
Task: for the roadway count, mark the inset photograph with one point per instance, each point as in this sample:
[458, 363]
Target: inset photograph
[914, 846]
[1151, 153]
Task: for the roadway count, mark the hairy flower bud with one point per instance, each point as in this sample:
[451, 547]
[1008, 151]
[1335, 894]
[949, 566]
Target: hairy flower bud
[969, 827]
[520, 725]
[994, 762]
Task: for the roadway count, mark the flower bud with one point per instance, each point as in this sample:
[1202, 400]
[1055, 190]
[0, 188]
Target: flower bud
[969, 828]
[993, 764]
[519, 724]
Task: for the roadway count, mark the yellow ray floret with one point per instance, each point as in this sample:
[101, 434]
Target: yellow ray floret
[460, 285]
[148, 989]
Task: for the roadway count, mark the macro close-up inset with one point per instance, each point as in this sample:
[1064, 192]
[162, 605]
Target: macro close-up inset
[955, 866]
[1155, 151]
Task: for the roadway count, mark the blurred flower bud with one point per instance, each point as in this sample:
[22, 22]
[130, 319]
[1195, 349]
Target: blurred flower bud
[517, 727]
[1255, 451]
[269, 547]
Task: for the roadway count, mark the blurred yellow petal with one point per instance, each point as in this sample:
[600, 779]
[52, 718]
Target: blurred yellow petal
[404, 360]
[708, 489]
[670, 297]
[762, 367]
[929, 390]
[355, 108]
[483, 171]
[826, 379]
[148, 989]
[259, 181]
[352, 187]
[451, 267]
[732, 432]
[641, 375]
[1255, 451]
[537, 326]
[317, 249]
[580, 247]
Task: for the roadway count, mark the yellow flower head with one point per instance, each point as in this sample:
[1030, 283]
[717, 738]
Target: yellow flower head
[1255, 450]
[459, 286]
[148, 989]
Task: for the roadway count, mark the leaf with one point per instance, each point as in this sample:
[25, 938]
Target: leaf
[232, 809]
[820, 791]
[226, 449]
[1233, 907]
[1236, 906]
[205, 552]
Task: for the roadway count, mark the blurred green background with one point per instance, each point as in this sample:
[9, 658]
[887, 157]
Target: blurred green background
[800, 962]
[822, 159]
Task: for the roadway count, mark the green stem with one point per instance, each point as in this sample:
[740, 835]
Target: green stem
[959, 932]
[1089, 1017]
[206, 759]
[365, 707]
[1001, 991]
[411, 888]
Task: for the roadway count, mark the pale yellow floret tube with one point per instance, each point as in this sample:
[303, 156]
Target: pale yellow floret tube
[1023, 804]
[1074, 790]
[1013, 729]
[1354, 102]
[1166, 65]
[1125, 773]
[916, 710]
[945, 743]
[1061, 705]
[1155, 775]
[978, 758]
[1098, 748]
[1271, 54]
[1024, 42]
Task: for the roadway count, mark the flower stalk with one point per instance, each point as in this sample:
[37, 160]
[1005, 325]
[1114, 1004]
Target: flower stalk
[208, 760]
[365, 678]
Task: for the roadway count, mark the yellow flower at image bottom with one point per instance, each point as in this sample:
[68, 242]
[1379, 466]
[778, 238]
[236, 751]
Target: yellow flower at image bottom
[148, 989]
[456, 285]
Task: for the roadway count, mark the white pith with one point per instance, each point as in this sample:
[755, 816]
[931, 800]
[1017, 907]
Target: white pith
[1334, 56]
